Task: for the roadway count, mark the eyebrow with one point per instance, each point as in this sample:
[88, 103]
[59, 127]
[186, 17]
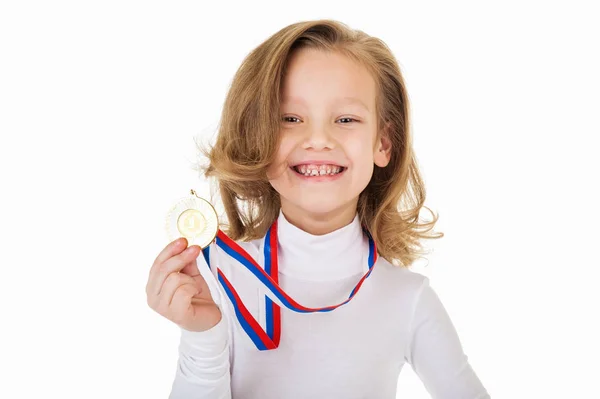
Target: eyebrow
[346, 100]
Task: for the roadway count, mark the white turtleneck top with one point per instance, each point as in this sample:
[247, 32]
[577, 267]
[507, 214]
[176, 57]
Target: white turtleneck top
[355, 351]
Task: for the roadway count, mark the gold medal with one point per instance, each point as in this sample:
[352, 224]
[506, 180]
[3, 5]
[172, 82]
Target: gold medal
[193, 218]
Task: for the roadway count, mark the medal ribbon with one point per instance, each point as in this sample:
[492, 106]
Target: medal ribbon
[267, 340]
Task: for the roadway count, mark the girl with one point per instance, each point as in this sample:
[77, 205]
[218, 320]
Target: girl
[321, 188]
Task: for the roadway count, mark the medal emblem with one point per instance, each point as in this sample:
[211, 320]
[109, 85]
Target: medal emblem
[195, 219]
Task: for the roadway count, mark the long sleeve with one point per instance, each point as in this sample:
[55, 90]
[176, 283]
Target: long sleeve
[203, 364]
[435, 352]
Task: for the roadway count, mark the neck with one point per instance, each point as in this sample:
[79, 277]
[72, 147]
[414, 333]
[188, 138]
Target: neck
[319, 223]
[335, 255]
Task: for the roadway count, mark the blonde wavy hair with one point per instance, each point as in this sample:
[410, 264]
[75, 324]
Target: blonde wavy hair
[248, 140]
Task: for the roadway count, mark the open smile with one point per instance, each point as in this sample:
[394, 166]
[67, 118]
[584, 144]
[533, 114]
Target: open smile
[322, 174]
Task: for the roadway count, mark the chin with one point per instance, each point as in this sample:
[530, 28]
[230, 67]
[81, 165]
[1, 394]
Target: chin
[318, 205]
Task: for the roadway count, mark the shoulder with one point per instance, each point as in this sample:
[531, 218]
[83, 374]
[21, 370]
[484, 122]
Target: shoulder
[398, 282]
[399, 276]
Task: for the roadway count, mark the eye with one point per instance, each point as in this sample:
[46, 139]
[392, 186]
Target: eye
[348, 119]
[289, 119]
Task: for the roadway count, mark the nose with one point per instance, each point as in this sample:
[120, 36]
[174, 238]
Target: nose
[318, 138]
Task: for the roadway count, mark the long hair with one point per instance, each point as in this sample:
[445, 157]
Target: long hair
[248, 140]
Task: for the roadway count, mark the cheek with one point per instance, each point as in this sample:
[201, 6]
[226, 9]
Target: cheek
[359, 152]
[286, 146]
[281, 160]
[362, 161]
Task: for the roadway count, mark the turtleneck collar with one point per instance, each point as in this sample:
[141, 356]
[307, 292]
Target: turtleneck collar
[332, 256]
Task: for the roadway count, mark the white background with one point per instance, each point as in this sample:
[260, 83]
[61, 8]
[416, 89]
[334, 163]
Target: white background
[100, 103]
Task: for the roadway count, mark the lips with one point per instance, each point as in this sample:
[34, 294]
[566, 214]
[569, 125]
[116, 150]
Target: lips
[322, 172]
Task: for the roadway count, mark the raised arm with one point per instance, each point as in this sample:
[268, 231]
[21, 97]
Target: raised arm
[189, 296]
[435, 352]
[203, 365]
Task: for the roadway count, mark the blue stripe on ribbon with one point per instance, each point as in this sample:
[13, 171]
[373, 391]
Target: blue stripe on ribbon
[251, 333]
[206, 253]
[268, 302]
[371, 253]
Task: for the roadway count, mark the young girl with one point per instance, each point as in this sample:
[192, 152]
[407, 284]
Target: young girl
[321, 188]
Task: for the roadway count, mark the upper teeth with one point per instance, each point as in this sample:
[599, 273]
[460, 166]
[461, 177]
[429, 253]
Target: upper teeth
[318, 170]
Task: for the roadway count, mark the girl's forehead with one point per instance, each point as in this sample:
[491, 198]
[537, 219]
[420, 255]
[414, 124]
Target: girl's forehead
[320, 64]
[335, 100]
[318, 76]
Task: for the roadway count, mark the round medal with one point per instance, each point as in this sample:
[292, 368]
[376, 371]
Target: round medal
[193, 218]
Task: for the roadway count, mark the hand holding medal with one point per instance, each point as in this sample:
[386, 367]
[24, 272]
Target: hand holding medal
[175, 288]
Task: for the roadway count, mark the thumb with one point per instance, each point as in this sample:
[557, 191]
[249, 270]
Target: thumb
[191, 269]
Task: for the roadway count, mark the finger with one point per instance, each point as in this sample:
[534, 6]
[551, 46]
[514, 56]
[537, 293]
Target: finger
[181, 308]
[179, 262]
[173, 264]
[173, 248]
[173, 282]
[191, 269]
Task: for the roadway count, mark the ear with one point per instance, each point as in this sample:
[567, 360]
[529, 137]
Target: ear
[383, 148]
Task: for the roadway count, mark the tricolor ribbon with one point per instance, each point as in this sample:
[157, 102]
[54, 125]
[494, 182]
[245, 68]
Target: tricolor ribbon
[267, 340]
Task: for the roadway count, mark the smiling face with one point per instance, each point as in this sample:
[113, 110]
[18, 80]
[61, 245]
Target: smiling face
[329, 139]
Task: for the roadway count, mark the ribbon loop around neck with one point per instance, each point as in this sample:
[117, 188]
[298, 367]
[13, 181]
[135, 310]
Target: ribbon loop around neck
[269, 278]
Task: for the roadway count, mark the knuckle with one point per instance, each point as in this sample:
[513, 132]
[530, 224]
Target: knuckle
[154, 305]
[179, 312]
[162, 309]
[173, 279]
[152, 302]
[149, 287]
